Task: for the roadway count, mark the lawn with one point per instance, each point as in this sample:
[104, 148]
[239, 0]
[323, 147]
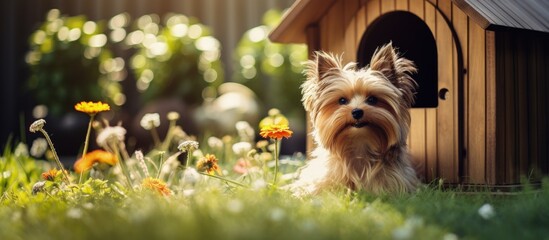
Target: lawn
[226, 189]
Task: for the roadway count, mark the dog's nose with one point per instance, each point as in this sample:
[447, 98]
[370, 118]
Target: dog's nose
[357, 113]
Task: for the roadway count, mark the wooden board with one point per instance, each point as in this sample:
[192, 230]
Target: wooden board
[431, 113]
[476, 106]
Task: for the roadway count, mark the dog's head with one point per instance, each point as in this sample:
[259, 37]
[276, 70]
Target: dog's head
[366, 108]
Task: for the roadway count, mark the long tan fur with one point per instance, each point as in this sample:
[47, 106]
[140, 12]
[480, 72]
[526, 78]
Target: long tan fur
[368, 153]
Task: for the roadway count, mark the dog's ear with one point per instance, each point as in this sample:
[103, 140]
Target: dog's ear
[396, 69]
[322, 65]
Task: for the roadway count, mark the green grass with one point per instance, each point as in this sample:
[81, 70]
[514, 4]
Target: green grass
[214, 211]
[212, 208]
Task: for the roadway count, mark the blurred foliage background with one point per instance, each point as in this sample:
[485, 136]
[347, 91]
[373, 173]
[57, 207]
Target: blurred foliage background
[159, 61]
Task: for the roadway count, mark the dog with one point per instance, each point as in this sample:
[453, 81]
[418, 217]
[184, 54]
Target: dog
[360, 122]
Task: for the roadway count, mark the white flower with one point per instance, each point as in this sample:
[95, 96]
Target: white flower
[242, 148]
[215, 143]
[39, 147]
[245, 131]
[108, 133]
[190, 175]
[486, 211]
[150, 120]
[172, 116]
[21, 150]
[188, 146]
[37, 125]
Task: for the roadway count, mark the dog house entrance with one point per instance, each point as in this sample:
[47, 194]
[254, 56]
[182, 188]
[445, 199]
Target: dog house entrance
[414, 41]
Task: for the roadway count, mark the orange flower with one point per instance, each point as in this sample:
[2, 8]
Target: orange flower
[51, 175]
[275, 131]
[208, 164]
[92, 107]
[156, 185]
[97, 156]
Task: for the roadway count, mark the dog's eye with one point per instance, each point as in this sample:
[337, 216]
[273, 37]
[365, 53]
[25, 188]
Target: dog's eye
[342, 101]
[371, 100]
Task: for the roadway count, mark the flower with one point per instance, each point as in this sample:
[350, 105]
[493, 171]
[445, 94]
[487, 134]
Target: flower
[188, 146]
[190, 175]
[37, 125]
[275, 117]
[39, 147]
[150, 120]
[486, 211]
[157, 185]
[115, 132]
[92, 108]
[245, 131]
[215, 143]
[172, 116]
[51, 175]
[208, 164]
[242, 148]
[275, 131]
[97, 156]
[241, 166]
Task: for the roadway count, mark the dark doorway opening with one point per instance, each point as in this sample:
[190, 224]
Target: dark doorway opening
[414, 41]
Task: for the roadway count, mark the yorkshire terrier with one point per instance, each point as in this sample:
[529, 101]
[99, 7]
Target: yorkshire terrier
[360, 122]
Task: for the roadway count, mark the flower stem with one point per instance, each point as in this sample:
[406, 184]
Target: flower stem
[55, 156]
[86, 142]
[155, 137]
[188, 161]
[224, 179]
[276, 160]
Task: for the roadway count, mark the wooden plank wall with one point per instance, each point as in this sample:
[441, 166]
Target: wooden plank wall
[434, 132]
[522, 105]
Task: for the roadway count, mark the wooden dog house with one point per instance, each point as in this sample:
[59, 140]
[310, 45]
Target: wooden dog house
[481, 115]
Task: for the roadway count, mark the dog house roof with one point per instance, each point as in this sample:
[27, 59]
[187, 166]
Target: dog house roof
[489, 14]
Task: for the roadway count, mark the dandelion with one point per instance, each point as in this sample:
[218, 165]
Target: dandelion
[190, 175]
[486, 211]
[241, 148]
[172, 116]
[97, 156]
[189, 147]
[38, 126]
[215, 143]
[245, 131]
[151, 121]
[91, 108]
[276, 132]
[108, 134]
[208, 164]
[39, 147]
[156, 185]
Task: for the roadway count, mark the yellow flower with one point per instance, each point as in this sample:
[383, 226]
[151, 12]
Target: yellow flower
[156, 185]
[208, 164]
[97, 156]
[92, 108]
[275, 131]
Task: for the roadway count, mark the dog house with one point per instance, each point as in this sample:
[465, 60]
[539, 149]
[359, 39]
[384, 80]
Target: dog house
[481, 114]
